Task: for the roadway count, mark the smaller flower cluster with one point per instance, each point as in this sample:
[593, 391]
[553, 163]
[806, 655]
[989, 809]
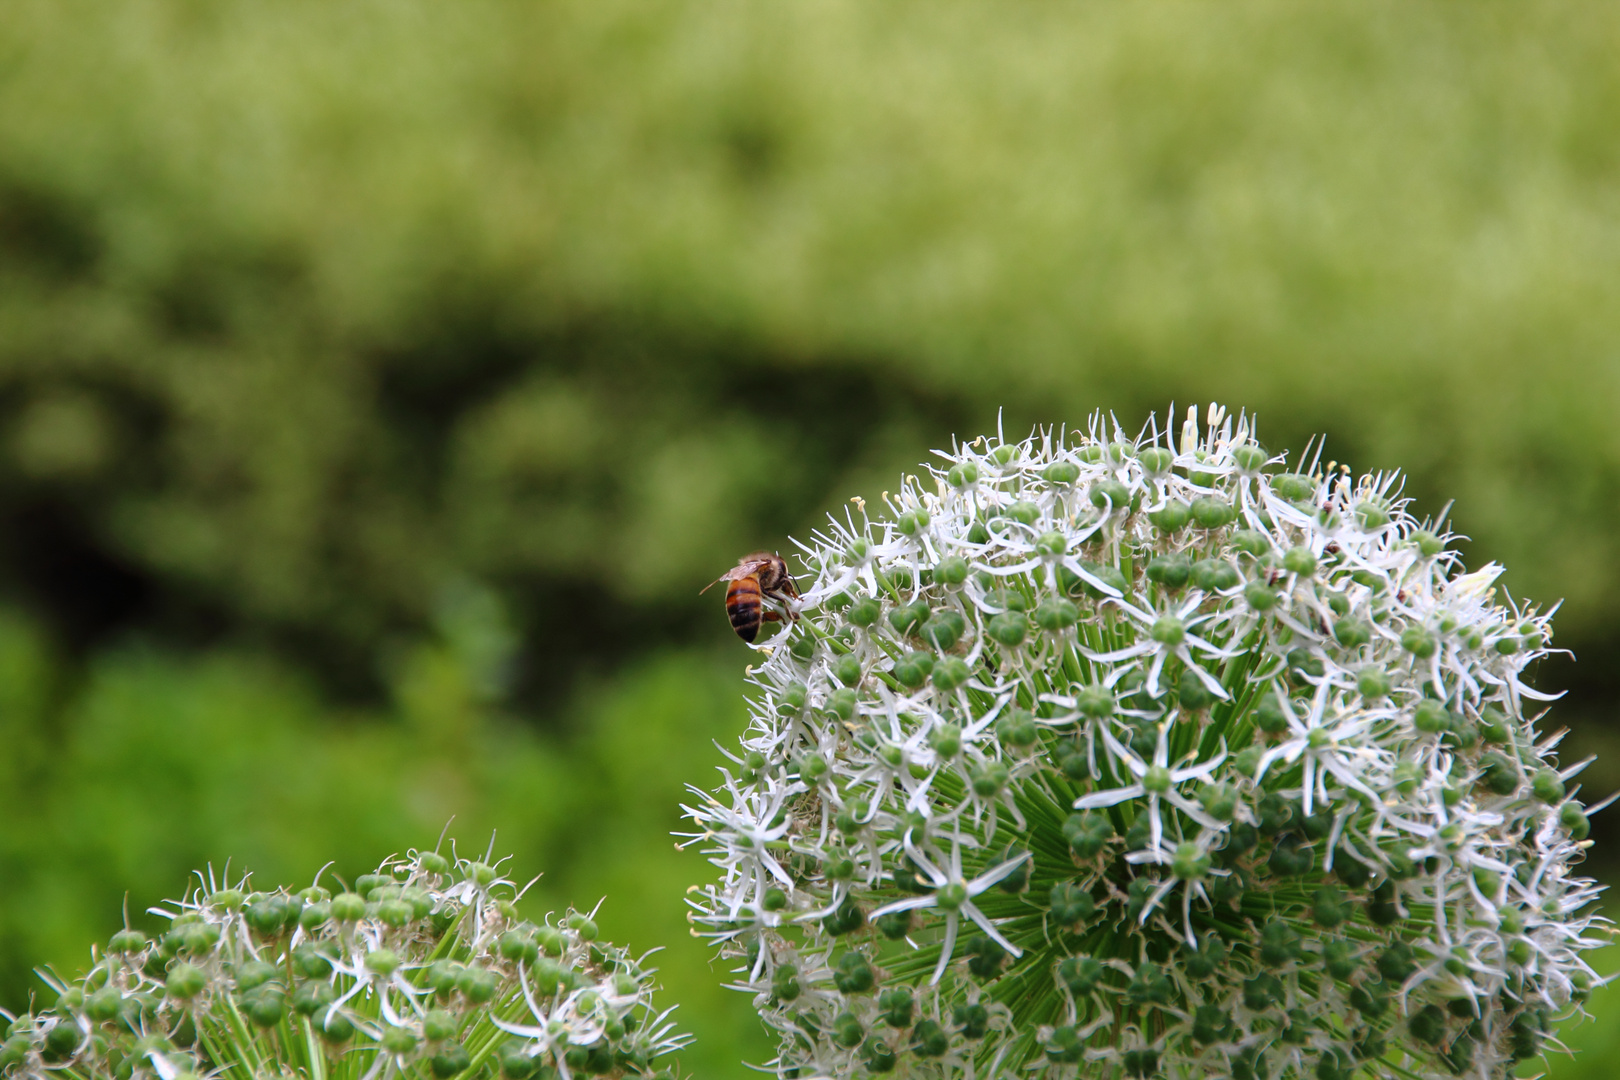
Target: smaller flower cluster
[425, 968]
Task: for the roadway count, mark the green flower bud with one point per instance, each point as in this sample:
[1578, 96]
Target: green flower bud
[1189, 863]
[1300, 560]
[896, 1007]
[864, 612]
[1010, 628]
[1170, 571]
[1261, 992]
[1328, 908]
[1260, 597]
[1269, 715]
[929, 1040]
[853, 975]
[847, 918]
[395, 912]
[913, 669]
[962, 476]
[1081, 974]
[1212, 575]
[1419, 642]
[944, 629]
[126, 941]
[60, 1042]
[1192, 693]
[1428, 1025]
[1430, 717]
[1172, 518]
[1168, 630]
[908, 618]
[1428, 544]
[989, 780]
[1249, 457]
[1070, 903]
[1294, 487]
[1212, 513]
[1156, 460]
[382, 961]
[1352, 633]
[1371, 515]
[311, 997]
[1339, 958]
[451, 1060]
[1369, 999]
[1373, 683]
[1056, 615]
[185, 982]
[1573, 817]
[348, 907]
[1017, 730]
[1547, 786]
[847, 670]
[1061, 473]
[264, 1006]
[985, 957]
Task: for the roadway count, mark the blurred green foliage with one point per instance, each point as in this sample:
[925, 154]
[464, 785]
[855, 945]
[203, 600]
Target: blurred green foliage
[309, 311]
[305, 307]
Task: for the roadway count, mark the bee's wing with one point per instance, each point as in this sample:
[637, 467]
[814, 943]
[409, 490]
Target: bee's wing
[741, 570]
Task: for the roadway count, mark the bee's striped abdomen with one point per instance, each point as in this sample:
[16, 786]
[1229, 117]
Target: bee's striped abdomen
[743, 607]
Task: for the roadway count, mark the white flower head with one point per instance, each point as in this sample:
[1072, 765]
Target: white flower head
[1055, 681]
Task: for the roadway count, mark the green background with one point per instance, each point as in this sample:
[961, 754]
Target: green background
[380, 381]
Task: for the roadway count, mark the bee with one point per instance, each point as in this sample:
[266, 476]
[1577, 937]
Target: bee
[755, 577]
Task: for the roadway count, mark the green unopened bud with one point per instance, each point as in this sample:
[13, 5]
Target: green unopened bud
[1192, 693]
[864, 612]
[1373, 683]
[452, 1059]
[185, 981]
[1212, 513]
[1352, 633]
[1295, 487]
[1110, 495]
[963, 475]
[348, 907]
[1189, 862]
[1170, 571]
[913, 669]
[951, 674]
[1168, 630]
[1573, 817]
[1155, 460]
[1017, 730]
[1260, 596]
[1372, 515]
[1010, 628]
[1547, 786]
[1056, 614]
[382, 961]
[1171, 518]
[1300, 560]
[1428, 544]
[1419, 642]
[1430, 717]
[311, 997]
[1212, 575]
[853, 974]
[989, 780]
[847, 670]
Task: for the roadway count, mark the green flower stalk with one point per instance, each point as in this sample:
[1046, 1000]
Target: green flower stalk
[425, 969]
[1098, 756]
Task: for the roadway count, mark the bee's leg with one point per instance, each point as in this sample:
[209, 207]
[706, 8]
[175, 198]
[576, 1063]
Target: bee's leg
[769, 616]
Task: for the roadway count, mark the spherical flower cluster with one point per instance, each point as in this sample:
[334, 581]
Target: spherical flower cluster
[425, 969]
[1113, 757]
